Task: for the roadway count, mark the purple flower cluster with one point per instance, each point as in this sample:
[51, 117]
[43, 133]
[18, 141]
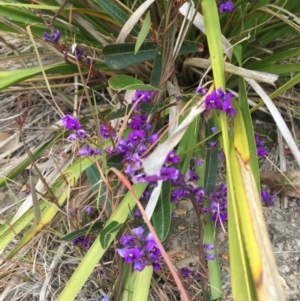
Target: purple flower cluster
[218, 204]
[72, 124]
[141, 136]
[187, 273]
[140, 250]
[267, 198]
[226, 7]
[52, 37]
[260, 149]
[220, 100]
[82, 241]
[209, 255]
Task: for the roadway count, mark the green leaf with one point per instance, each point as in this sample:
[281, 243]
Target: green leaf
[157, 67]
[142, 284]
[119, 113]
[211, 161]
[118, 14]
[126, 82]
[99, 186]
[115, 161]
[10, 78]
[146, 108]
[143, 33]
[162, 214]
[109, 230]
[119, 56]
[97, 227]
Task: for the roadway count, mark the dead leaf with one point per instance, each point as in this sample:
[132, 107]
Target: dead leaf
[284, 183]
[179, 212]
[7, 142]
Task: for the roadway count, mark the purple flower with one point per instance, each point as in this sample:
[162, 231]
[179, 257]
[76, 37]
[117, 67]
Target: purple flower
[185, 272]
[123, 148]
[140, 178]
[140, 250]
[136, 136]
[144, 96]
[79, 52]
[209, 247]
[136, 122]
[226, 7]
[200, 90]
[72, 137]
[213, 101]
[131, 254]
[172, 158]
[70, 122]
[81, 134]
[214, 129]
[139, 231]
[197, 275]
[106, 298]
[266, 198]
[210, 256]
[258, 142]
[213, 143]
[199, 162]
[127, 240]
[153, 138]
[82, 241]
[177, 194]
[52, 37]
[260, 149]
[193, 176]
[89, 151]
[139, 265]
[169, 173]
[88, 210]
[156, 266]
[137, 213]
[227, 108]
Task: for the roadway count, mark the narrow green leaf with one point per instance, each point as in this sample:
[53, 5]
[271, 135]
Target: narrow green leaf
[115, 161]
[211, 161]
[98, 186]
[146, 107]
[109, 230]
[129, 282]
[10, 78]
[157, 67]
[118, 14]
[162, 214]
[142, 284]
[126, 82]
[97, 227]
[95, 253]
[119, 56]
[143, 33]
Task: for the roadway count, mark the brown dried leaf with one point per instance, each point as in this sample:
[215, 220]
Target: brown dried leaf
[6, 143]
[283, 183]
